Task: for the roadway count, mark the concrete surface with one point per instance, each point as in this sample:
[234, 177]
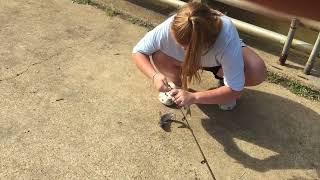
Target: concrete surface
[73, 106]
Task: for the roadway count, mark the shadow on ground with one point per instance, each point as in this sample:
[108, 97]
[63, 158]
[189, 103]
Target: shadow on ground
[270, 122]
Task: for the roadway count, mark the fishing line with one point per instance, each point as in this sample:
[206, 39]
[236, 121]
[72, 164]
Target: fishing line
[194, 137]
[199, 147]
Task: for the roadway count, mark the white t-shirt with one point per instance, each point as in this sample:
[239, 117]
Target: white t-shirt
[226, 52]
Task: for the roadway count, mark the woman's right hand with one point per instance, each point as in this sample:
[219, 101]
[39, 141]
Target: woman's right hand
[160, 82]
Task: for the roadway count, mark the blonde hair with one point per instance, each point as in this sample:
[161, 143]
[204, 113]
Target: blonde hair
[195, 26]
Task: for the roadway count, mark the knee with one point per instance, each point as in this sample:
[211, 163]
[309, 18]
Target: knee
[255, 68]
[259, 74]
[256, 75]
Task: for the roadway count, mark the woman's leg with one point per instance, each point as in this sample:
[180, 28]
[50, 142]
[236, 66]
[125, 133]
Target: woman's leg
[168, 66]
[254, 68]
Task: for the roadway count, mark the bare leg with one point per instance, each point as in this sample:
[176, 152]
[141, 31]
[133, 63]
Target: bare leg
[168, 66]
[254, 68]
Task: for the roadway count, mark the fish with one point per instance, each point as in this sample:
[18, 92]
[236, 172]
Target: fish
[165, 120]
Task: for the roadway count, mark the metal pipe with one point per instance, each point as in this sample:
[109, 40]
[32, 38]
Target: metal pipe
[313, 56]
[175, 3]
[286, 47]
[253, 30]
[270, 35]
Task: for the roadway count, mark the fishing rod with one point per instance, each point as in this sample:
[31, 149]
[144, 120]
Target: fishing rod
[204, 161]
[199, 147]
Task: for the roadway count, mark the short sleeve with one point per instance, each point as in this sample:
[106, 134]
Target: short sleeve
[233, 65]
[150, 43]
[153, 40]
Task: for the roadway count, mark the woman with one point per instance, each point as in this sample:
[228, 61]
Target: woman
[198, 38]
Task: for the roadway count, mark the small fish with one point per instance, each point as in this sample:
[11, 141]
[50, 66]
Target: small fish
[165, 120]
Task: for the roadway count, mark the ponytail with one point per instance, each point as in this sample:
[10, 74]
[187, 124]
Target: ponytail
[193, 54]
[196, 27]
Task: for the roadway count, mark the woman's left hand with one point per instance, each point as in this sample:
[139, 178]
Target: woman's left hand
[182, 98]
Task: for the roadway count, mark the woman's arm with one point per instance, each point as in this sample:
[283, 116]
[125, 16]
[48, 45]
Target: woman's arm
[144, 65]
[220, 95]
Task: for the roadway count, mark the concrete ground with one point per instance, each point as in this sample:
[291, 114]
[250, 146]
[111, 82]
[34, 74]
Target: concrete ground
[73, 106]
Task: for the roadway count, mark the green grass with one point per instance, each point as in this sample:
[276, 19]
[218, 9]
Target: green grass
[82, 1]
[111, 11]
[292, 85]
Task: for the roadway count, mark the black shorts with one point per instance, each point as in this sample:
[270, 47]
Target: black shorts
[214, 71]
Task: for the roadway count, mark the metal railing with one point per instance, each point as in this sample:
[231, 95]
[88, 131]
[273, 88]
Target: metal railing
[295, 23]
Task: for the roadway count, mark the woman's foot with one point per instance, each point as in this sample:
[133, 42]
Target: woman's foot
[165, 98]
[228, 106]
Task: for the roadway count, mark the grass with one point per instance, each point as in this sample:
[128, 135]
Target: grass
[292, 85]
[81, 1]
[111, 11]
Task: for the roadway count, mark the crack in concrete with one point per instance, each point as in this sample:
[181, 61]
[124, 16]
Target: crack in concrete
[34, 64]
